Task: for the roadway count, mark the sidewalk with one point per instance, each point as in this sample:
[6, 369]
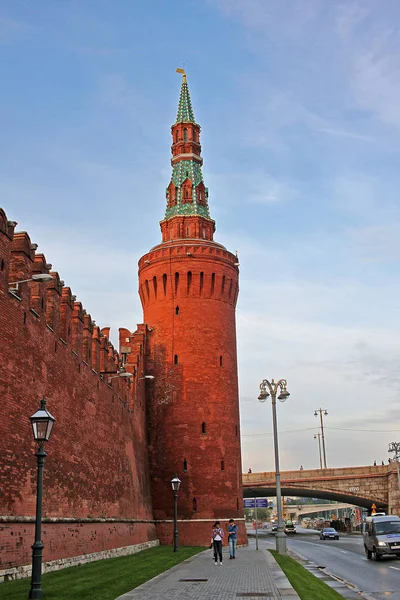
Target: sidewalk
[253, 575]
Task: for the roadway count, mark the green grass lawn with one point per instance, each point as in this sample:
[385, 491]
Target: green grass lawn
[103, 579]
[306, 585]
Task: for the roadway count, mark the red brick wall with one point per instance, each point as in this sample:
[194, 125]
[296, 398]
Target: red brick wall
[201, 388]
[97, 463]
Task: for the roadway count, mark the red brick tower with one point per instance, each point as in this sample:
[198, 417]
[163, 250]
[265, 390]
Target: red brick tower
[188, 286]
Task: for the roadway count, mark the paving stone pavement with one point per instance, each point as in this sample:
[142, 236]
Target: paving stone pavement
[253, 575]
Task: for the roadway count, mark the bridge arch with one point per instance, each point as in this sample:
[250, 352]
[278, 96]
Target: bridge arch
[360, 486]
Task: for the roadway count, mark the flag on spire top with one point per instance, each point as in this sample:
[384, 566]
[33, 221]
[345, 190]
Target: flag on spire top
[185, 112]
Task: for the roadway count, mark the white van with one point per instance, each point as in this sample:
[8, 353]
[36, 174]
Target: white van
[381, 534]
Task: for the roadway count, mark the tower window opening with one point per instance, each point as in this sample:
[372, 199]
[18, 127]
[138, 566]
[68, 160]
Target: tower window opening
[230, 289]
[176, 282]
[237, 503]
[155, 286]
[24, 318]
[186, 194]
[204, 234]
[177, 310]
[187, 231]
[223, 284]
[146, 285]
[194, 505]
[220, 361]
[42, 303]
[185, 465]
[212, 283]
[222, 465]
[2, 264]
[175, 359]
[203, 427]
[185, 135]
[236, 431]
[176, 137]
[164, 280]
[189, 281]
[201, 281]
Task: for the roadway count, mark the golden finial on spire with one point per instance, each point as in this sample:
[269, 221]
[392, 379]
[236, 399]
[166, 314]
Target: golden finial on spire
[182, 71]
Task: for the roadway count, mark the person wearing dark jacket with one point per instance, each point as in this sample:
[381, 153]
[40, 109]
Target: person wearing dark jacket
[217, 537]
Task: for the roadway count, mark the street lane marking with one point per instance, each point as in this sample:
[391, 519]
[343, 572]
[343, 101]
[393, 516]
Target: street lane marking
[397, 568]
[344, 551]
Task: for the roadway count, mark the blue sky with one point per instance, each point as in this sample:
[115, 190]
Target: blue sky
[299, 103]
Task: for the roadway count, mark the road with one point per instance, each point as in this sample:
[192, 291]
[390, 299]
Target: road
[346, 559]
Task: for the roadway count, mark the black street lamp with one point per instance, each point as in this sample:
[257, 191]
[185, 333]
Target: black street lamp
[42, 424]
[176, 484]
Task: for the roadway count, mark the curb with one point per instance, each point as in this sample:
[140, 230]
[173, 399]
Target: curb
[346, 589]
[282, 583]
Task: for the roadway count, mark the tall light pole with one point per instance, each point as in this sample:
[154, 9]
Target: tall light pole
[318, 435]
[42, 424]
[176, 484]
[271, 388]
[325, 412]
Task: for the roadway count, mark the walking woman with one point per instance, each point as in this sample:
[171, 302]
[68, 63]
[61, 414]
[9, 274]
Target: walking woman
[217, 536]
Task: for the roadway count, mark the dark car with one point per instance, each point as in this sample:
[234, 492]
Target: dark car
[328, 533]
[274, 528]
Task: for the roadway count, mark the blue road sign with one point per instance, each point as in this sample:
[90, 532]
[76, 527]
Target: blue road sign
[262, 503]
[251, 503]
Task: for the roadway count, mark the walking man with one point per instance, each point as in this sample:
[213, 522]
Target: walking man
[232, 538]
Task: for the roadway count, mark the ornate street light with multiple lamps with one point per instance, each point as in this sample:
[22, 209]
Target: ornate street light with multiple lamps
[271, 389]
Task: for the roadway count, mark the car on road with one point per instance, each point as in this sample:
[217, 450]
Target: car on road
[328, 533]
[290, 528]
[274, 528]
[381, 534]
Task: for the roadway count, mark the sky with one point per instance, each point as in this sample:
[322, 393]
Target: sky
[299, 104]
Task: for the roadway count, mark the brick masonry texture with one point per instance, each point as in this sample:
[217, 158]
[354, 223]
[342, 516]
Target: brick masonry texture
[97, 463]
[188, 290]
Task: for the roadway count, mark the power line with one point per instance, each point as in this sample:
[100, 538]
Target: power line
[313, 428]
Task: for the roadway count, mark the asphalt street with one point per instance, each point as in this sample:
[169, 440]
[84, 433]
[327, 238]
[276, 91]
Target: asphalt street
[345, 558]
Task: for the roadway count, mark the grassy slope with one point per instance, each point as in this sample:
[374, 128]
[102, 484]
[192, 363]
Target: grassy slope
[101, 580]
[306, 585]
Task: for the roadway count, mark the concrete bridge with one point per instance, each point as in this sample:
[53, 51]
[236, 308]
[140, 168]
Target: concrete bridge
[298, 512]
[361, 486]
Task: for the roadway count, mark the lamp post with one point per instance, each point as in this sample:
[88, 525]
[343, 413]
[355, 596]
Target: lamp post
[40, 277]
[42, 424]
[325, 412]
[176, 484]
[318, 435]
[273, 388]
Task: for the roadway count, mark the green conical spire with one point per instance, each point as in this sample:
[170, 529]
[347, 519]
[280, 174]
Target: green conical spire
[185, 112]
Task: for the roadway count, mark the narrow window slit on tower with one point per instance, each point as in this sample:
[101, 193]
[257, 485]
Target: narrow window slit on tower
[24, 318]
[230, 289]
[237, 503]
[175, 359]
[203, 427]
[176, 282]
[222, 465]
[185, 465]
[185, 136]
[164, 280]
[177, 310]
[212, 283]
[155, 286]
[194, 505]
[220, 361]
[189, 281]
[223, 284]
[236, 431]
[146, 285]
[201, 281]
